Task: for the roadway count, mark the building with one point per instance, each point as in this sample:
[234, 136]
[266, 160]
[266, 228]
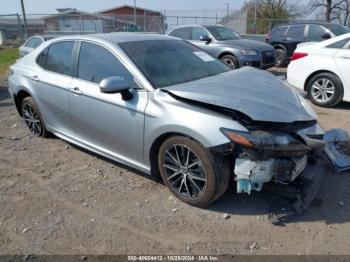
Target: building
[73, 20]
[13, 27]
[146, 20]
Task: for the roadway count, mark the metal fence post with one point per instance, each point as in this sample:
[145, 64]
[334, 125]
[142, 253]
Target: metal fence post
[19, 26]
[24, 20]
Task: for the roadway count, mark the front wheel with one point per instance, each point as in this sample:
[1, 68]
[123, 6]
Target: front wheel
[231, 61]
[191, 172]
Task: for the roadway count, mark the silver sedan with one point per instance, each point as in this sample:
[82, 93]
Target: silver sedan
[165, 107]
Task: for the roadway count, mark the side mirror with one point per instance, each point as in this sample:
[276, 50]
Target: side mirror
[205, 38]
[326, 36]
[116, 84]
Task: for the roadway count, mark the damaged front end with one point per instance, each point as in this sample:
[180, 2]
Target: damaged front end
[291, 164]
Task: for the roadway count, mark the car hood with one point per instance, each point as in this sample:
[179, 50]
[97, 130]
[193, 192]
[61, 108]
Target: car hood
[256, 93]
[246, 44]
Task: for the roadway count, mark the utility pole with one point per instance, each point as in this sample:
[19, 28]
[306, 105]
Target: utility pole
[255, 15]
[24, 20]
[135, 19]
[227, 10]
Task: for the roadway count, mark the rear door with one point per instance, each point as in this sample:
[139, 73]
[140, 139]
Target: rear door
[295, 35]
[342, 60]
[51, 83]
[103, 121]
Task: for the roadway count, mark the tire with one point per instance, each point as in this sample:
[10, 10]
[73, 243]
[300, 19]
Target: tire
[32, 117]
[231, 61]
[329, 83]
[281, 59]
[194, 190]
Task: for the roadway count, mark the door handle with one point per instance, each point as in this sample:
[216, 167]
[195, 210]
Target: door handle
[35, 78]
[345, 57]
[76, 91]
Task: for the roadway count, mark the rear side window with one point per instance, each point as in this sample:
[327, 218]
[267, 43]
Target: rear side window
[57, 58]
[183, 33]
[97, 63]
[340, 44]
[296, 32]
[315, 33]
[42, 58]
[278, 32]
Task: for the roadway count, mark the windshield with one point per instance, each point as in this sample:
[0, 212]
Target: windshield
[170, 62]
[223, 33]
[338, 29]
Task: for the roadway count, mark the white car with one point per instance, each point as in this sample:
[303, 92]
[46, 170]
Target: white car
[322, 70]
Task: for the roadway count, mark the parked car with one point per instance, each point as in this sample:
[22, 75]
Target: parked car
[228, 46]
[33, 42]
[163, 106]
[285, 38]
[322, 70]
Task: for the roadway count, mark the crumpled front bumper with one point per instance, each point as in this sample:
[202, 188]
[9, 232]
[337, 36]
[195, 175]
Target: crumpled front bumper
[330, 153]
[337, 150]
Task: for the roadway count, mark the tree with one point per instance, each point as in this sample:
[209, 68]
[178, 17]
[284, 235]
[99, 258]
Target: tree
[334, 9]
[262, 14]
[342, 13]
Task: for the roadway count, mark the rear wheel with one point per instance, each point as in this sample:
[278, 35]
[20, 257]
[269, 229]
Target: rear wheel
[192, 173]
[230, 60]
[281, 59]
[325, 89]
[32, 117]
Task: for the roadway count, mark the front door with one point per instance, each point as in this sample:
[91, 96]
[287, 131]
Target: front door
[103, 121]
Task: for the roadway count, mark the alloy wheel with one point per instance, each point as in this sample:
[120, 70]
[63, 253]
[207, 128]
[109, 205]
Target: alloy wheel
[32, 119]
[229, 62]
[184, 171]
[323, 90]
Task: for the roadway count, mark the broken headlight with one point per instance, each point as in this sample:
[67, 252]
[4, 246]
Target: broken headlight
[270, 141]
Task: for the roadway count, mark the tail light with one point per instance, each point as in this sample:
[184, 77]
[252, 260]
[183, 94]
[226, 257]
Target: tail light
[298, 55]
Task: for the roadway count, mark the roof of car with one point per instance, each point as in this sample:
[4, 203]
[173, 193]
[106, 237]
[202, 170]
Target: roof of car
[307, 23]
[120, 37]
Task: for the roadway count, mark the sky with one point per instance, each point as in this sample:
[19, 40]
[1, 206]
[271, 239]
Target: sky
[49, 6]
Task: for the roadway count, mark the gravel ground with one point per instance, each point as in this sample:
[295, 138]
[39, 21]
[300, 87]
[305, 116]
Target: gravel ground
[56, 198]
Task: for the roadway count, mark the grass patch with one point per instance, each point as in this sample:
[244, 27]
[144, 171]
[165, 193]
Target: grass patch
[8, 56]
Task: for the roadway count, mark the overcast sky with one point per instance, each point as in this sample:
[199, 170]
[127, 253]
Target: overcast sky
[49, 6]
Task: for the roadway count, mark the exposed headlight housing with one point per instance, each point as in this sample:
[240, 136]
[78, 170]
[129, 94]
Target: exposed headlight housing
[269, 141]
[249, 52]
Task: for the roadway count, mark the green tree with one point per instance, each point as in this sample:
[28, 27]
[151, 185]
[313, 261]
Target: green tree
[263, 14]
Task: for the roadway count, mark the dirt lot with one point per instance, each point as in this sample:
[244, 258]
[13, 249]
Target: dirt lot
[59, 199]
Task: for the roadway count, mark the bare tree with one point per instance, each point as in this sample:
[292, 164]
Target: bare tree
[343, 12]
[333, 8]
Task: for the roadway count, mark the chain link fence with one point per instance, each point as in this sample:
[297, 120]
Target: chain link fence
[13, 29]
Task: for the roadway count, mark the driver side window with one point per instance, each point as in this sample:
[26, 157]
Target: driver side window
[97, 63]
[197, 32]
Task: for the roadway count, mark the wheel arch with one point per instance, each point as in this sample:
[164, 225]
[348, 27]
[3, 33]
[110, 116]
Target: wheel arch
[280, 46]
[19, 97]
[154, 150]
